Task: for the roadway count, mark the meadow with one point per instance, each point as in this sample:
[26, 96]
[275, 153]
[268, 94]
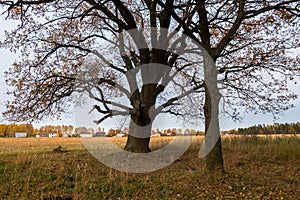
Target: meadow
[266, 167]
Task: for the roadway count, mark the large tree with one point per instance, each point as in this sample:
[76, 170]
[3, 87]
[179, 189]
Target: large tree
[246, 40]
[88, 47]
[249, 42]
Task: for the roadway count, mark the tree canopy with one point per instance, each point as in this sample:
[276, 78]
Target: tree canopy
[248, 40]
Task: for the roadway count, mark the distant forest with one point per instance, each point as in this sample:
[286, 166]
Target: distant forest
[9, 130]
[286, 128]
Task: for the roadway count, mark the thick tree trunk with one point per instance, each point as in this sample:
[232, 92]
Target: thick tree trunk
[141, 120]
[138, 139]
[137, 145]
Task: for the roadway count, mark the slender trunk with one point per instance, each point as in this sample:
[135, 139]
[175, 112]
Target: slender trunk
[214, 158]
[213, 145]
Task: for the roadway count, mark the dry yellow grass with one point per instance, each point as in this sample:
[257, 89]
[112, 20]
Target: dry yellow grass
[257, 168]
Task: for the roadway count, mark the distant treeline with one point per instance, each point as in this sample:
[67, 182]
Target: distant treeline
[9, 130]
[286, 128]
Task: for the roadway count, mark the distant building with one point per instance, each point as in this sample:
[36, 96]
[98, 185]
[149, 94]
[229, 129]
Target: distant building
[21, 135]
[120, 135]
[66, 135]
[225, 133]
[156, 135]
[52, 135]
[86, 135]
[100, 134]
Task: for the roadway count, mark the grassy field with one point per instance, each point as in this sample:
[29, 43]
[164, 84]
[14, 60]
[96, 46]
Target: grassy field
[256, 168]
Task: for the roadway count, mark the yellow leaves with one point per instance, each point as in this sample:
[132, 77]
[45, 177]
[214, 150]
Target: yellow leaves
[286, 15]
[15, 64]
[38, 57]
[42, 86]
[63, 59]
[269, 18]
[215, 32]
[18, 9]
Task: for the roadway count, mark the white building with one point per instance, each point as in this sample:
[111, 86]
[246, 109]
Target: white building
[66, 135]
[52, 135]
[86, 135]
[21, 135]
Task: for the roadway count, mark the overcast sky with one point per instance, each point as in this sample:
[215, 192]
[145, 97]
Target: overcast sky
[6, 59]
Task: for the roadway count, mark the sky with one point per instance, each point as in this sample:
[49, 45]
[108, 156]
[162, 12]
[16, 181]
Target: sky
[81, 119]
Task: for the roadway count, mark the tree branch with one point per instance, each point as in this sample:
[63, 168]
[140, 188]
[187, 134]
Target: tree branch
[171, 101]
[111, 114]
[232, 31]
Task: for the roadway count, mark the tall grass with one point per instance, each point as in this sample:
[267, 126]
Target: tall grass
[257, 168]
[265, 148]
